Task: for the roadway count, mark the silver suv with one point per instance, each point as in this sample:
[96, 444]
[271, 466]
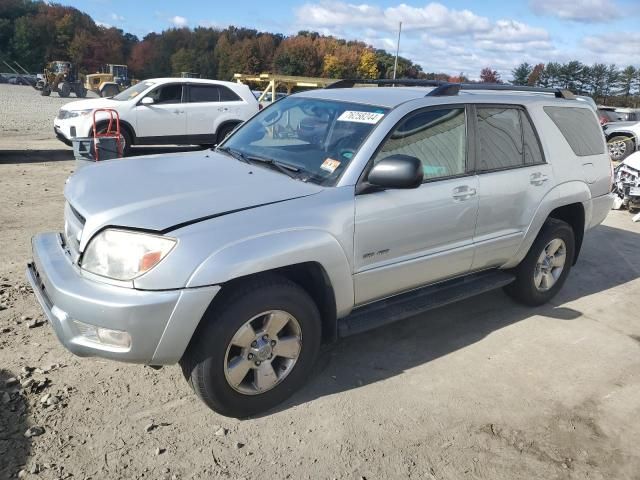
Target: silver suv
[328, 213]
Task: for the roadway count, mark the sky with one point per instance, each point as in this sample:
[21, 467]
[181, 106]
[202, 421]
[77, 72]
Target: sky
[449, 36]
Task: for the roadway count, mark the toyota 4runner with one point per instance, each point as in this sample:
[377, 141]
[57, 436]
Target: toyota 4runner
[328, 213]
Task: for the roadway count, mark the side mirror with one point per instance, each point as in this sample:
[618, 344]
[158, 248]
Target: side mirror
[147, 101]
[397, 171]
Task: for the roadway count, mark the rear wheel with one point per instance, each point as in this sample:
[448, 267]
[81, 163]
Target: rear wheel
[64, 89]
[46, 91]
[620, 148]
[80, 91]
[225, 131]
[255, 348]
[541, 274]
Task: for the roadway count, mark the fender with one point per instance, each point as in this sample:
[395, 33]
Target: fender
[281, 249]
[559, 196]
[627, 133]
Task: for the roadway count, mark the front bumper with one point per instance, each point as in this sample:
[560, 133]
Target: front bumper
[160, 323]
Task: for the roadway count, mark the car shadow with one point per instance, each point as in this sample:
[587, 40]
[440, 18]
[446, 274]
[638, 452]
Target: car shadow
[15, 448]
[390, 350]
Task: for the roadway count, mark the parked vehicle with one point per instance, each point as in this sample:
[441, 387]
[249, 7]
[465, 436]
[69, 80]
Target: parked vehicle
[607, 115]
[626, 186]
[238, 263]
[110, 81]
[628, 114]
[622, 139]
[63, 78]
[164, 111]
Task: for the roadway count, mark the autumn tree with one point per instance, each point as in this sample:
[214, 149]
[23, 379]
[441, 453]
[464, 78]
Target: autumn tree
[368, 66]
[489, 76]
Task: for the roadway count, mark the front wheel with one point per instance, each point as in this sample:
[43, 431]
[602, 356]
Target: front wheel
[620, 148]
[255, 348]
[541, 274]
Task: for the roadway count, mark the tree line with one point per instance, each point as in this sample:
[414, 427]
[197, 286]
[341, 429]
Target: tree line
[34, 32]
[608, 84]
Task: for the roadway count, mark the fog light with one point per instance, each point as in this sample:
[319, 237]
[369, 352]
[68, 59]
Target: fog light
[103, 336]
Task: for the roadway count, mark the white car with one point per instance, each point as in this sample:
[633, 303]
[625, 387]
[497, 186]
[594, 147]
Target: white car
[164, 111]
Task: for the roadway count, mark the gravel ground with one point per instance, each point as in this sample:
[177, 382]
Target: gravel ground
[484, 389]
[27, 118]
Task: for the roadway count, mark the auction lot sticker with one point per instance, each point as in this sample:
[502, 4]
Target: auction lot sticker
[360, 117]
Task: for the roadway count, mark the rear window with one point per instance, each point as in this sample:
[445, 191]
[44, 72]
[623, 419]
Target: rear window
[579, 128]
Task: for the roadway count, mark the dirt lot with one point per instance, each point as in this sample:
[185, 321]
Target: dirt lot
[482, 389]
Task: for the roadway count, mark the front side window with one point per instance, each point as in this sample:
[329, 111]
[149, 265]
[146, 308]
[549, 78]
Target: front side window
[500, 142]
[316, 138]
[436, 137]
[167, 94]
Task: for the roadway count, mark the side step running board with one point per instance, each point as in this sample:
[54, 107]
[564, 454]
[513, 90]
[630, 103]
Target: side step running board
[412, 303]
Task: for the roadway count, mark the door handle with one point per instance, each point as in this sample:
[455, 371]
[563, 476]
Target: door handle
[538, 178]
[178, 111]
[463, 192]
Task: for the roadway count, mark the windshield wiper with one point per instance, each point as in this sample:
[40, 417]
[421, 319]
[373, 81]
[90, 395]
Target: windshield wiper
[234, 153]
[285, 168]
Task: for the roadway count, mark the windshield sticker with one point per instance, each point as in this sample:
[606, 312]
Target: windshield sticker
[360, 117]
[330, 165]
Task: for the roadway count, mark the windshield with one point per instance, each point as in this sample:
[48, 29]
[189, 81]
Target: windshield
[134, 91]
[316, 138]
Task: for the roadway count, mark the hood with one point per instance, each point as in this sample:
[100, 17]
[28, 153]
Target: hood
[633, 161]
[613, 126]
[90, 103]
[164, 192]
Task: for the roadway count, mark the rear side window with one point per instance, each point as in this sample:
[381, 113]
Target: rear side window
[500, 143]
[437, 137]
[211, 93]
[227, 95]
[579, 128]
[203, 93]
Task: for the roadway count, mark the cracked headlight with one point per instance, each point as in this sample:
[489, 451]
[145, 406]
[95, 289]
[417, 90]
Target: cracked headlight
[125, 255]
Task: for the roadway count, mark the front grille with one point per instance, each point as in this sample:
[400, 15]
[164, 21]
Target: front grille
[73, 225]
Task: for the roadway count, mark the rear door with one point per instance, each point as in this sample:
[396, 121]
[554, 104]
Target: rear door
[408, 238]
[164, 121]
[208, 107]
[513, 177]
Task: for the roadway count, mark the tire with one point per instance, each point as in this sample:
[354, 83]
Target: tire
[224, 132]
[64, 89]
[46, 91]
[526, 289]
[80, 91]
[206, 364]
[126, 137]
[620, 147]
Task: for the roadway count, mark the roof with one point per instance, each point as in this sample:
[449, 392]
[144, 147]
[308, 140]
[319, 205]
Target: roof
[190, 80]
[391, 97]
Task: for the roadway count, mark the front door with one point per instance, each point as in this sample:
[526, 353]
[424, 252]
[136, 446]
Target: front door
[164, 121]
[408, 238]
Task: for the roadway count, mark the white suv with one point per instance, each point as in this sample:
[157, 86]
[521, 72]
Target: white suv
[164, 111]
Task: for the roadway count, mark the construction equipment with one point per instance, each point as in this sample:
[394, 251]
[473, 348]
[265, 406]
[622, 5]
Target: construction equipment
[61, 77]
[110, 81]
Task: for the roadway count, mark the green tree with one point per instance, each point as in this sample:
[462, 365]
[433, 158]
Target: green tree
[521, 74]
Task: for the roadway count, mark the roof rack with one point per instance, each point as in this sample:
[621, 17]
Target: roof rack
[449, 88]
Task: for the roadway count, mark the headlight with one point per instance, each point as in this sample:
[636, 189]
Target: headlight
[124, 255]
[62, 114]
